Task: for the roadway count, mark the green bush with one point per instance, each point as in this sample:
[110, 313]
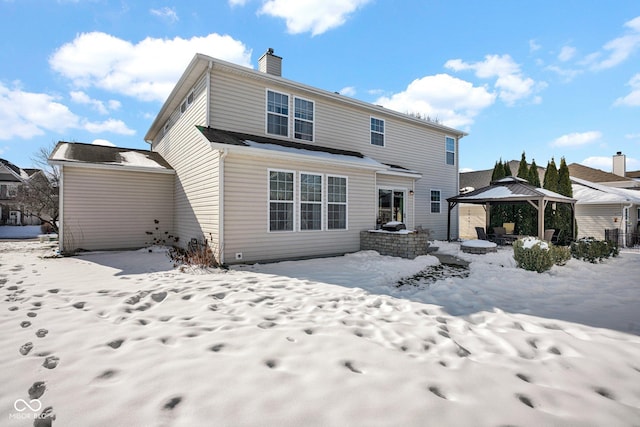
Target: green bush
[592, 250]
[560, 254]
[533, 254]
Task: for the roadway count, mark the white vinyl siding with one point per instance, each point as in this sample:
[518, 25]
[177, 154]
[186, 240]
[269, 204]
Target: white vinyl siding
[246, 211]
[594, 219]
[196, 164]
[113, 209]
[238, 104]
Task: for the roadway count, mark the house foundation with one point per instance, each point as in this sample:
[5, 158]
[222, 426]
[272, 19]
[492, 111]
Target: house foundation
[403, 244]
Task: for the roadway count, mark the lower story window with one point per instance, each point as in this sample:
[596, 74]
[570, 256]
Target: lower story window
[310, 201]
[336, 203]
[280, 201]
[435, 201]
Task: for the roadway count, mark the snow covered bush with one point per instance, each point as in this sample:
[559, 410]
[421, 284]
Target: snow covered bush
[533, 254]
[592, 250]
[560, 254]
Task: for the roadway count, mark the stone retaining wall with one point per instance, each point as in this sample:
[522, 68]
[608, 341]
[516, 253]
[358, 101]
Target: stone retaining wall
[404, 245]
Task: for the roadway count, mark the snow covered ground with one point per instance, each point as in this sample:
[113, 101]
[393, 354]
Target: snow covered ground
[123, 338]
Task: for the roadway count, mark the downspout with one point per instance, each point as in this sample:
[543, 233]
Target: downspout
[61, 212]
[223, 155]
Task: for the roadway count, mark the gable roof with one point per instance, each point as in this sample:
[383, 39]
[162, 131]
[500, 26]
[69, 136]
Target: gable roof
[595, 175]
[590, 193]
[80, 154]
[509, 189]
[201, 63]
[12, 173]
[633, 174]
[479, 179]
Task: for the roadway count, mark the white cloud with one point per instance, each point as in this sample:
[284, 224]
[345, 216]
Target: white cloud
[167, 13]
[27, 114]
[598, 162]
[534, 46]
[138, 70]
[315, 16]
[82, 98]
[510, 83]
[233, 3]
[566, 73]
[103, 142]
[617, 50]
[632, 136]
[633, 98]
[452, 101]
[576, 139]
[566, 53]
[348, 91]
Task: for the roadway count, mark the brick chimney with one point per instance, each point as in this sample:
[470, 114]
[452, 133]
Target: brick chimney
[620, 164]
[270, 63]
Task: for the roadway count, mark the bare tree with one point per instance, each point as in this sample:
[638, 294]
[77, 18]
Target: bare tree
[38, 195]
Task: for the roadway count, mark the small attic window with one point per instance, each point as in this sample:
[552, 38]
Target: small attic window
[190, 98]
[183, 106]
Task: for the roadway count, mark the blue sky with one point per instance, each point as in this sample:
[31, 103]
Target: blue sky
[551, 78]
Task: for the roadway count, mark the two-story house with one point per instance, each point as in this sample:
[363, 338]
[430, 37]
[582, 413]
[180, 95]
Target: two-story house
[11, 178]
[267, 168]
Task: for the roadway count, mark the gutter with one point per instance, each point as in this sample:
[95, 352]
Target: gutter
[223, 154]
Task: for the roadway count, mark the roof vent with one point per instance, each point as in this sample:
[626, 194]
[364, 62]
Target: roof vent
[270, 63]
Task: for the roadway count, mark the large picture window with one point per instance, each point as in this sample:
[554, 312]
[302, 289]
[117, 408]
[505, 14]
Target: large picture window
[336, 203]
[281, 201]
[450, 148]
[310, 202]
[277, 113]
[303, 119]
[377, 132]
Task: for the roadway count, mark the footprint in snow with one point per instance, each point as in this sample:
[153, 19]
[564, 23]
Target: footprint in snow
[51, 362]
[172, 403]
[41, 333]
[45, 418]
[115, 343]
[26, 348]
[349, 365]
[25, 324]
[37, 390]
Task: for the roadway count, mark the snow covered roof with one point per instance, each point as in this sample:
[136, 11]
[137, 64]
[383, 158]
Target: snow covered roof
[272, 146]
[74, 153]
[590, 193]
[509, 189]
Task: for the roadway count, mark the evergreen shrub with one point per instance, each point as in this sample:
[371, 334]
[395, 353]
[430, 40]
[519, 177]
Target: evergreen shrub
[592, 250]
[533, 254]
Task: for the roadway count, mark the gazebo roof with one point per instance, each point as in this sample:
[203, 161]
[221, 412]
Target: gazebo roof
[509, 189]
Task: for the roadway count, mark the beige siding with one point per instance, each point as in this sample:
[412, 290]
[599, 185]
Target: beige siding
[196, 166]
[113, 209]
[238, 104]
[246, 211]
[594, 219]
[471, 216]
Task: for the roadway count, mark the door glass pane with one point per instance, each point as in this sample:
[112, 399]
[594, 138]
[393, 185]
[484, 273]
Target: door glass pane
[398, 206]
[384, 206]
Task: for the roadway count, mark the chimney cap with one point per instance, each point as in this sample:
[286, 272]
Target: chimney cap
[619, 153]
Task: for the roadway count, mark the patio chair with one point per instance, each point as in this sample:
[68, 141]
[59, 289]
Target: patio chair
[498, 235]
[481, 234]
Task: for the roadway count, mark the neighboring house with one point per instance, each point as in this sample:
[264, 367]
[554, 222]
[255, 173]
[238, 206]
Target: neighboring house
[605, 201]
[11, 178]
[267, 168]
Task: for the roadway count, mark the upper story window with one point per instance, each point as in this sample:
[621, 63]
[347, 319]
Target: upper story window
[277, 113]
[303, 119]
[377, 132]
[450, 148]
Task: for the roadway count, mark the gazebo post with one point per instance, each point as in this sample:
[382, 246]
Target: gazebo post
[541, 208]
[487, 221]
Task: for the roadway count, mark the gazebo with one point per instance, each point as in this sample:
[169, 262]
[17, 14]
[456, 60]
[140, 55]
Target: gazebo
[512, 190]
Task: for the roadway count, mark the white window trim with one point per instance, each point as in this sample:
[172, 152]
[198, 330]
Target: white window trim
[294, 201]
[346, 203]
[313, 122]
[384, 139]
[447, 151]
[266, 113]
[321, 203]
[439, 202]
